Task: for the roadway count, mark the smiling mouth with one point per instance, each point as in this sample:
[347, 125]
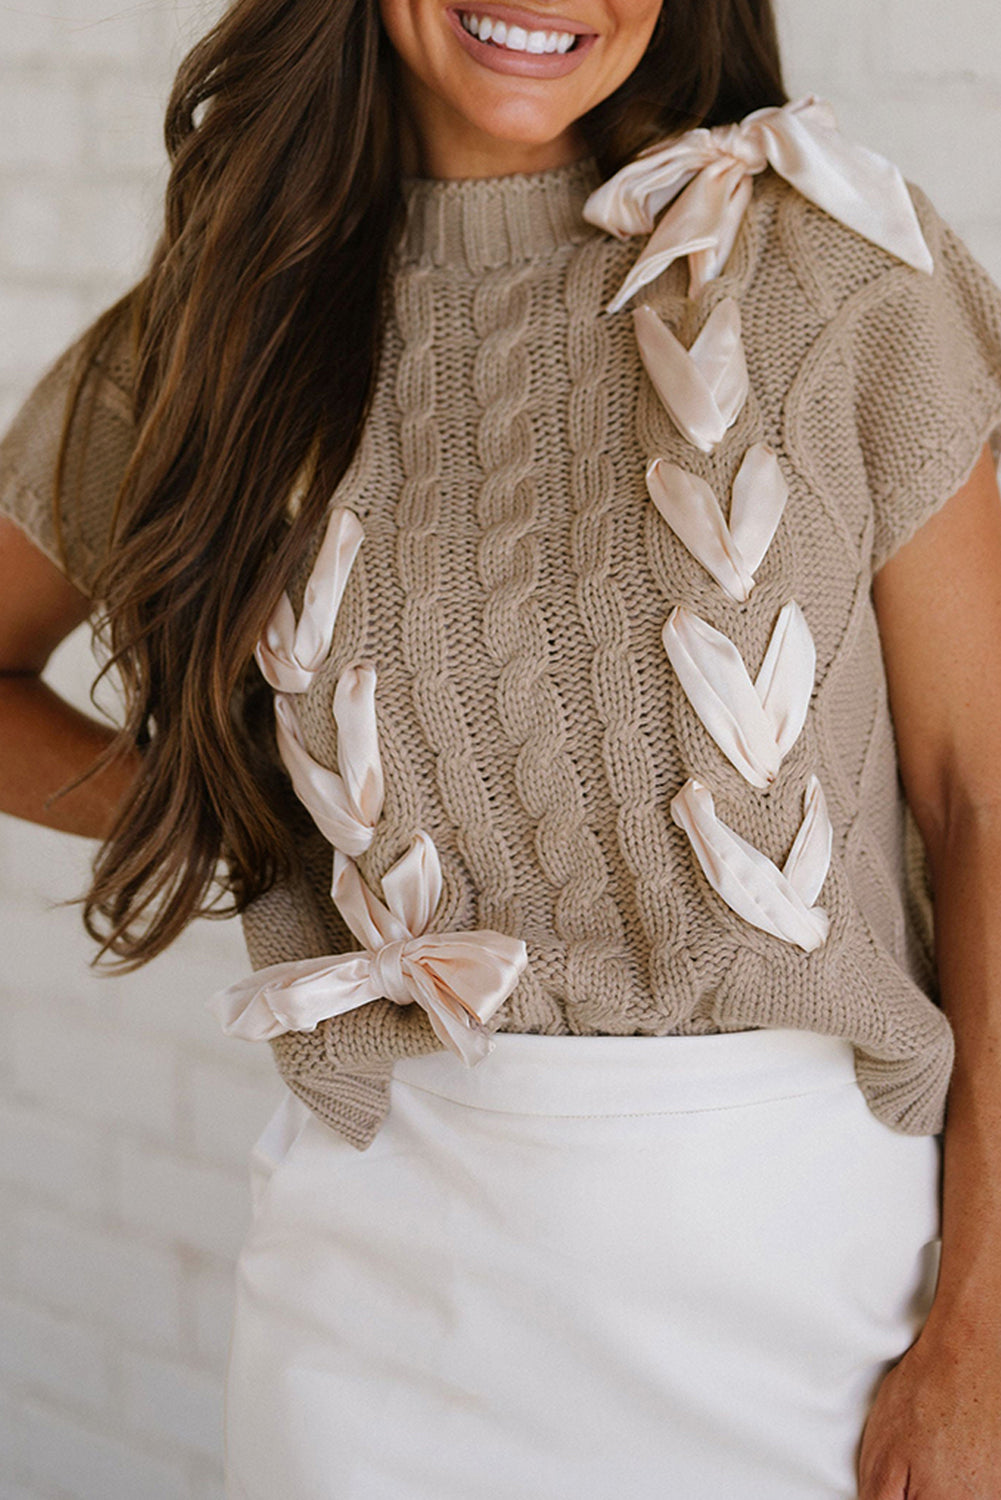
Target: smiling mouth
[516, 38]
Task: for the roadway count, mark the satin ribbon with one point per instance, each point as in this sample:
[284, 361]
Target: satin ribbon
[730, 553]
[755, 724]
[345, 806]
[708, 172]
[459, 978]
[780, 902]
[290, 654]
[703, 389]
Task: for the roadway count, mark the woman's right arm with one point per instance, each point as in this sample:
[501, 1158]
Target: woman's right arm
[44, 741]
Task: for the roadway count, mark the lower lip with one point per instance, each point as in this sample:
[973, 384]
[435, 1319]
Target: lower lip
[527, 64]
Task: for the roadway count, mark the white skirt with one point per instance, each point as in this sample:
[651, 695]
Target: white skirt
[591, 1268]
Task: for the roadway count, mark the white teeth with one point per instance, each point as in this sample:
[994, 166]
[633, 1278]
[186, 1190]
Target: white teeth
[516, 38]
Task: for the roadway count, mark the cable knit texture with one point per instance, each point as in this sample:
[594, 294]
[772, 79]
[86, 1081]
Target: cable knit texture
[512, 587]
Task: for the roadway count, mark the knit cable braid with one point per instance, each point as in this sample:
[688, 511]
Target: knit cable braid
[599, 628]
[754, 723]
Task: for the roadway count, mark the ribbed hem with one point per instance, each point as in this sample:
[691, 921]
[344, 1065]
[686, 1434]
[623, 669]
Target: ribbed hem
[478, 223]
[352, 1104]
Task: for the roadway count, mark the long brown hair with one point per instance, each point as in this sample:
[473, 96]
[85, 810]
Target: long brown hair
[257, 333]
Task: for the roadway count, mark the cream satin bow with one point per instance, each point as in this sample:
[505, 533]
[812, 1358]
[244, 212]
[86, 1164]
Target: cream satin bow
[777, 901]
[755, 724]
[459, 978]
[290, 654]
[730, 553]
[346, 806]
[703, 389]
[801, 141]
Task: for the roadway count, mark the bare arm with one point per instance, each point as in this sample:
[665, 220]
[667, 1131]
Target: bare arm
[938, 602]
[44, 741]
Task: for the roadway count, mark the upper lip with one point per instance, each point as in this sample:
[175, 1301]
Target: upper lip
[529, 19]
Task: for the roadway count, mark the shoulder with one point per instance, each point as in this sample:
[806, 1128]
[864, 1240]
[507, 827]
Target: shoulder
[112, 364]
[101, 361]
[97, 371]
[899, 364]
[81, 409]
[835, 267]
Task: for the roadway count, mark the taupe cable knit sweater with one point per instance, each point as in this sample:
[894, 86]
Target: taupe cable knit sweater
[512, 588]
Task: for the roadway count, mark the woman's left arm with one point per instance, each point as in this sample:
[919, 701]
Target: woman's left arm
[934, 1431]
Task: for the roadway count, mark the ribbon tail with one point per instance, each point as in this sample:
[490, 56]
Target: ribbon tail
[461, 979]
[731, 185]
[705, 216]
[652, 261]
[457, 1030]
[294, 996]
[468, 1039]
[856, 186]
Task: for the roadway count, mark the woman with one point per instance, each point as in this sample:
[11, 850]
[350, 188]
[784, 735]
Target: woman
[486, 459]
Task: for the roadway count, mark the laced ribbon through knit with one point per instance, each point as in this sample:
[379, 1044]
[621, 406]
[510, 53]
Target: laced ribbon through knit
[459, 978]
[705, 175]
[701, 180]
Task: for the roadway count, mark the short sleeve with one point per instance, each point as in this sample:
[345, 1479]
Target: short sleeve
[100, 445]
[928, 382]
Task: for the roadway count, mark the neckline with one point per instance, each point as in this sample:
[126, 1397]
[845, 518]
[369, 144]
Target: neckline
[480, 223]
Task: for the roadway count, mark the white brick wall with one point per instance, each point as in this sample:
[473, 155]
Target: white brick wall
[125, 1118]
[125, 1115]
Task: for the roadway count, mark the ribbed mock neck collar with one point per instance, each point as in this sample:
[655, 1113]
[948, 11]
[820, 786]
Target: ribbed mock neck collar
[478, 223]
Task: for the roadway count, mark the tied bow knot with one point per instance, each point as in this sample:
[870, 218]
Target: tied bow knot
[740, 144]
[459, 978]
[705, 177]
[388, 974]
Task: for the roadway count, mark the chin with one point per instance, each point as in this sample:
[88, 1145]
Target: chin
[519, 124]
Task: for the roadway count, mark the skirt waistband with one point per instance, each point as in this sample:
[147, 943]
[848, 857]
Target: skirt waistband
[615, 1075]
